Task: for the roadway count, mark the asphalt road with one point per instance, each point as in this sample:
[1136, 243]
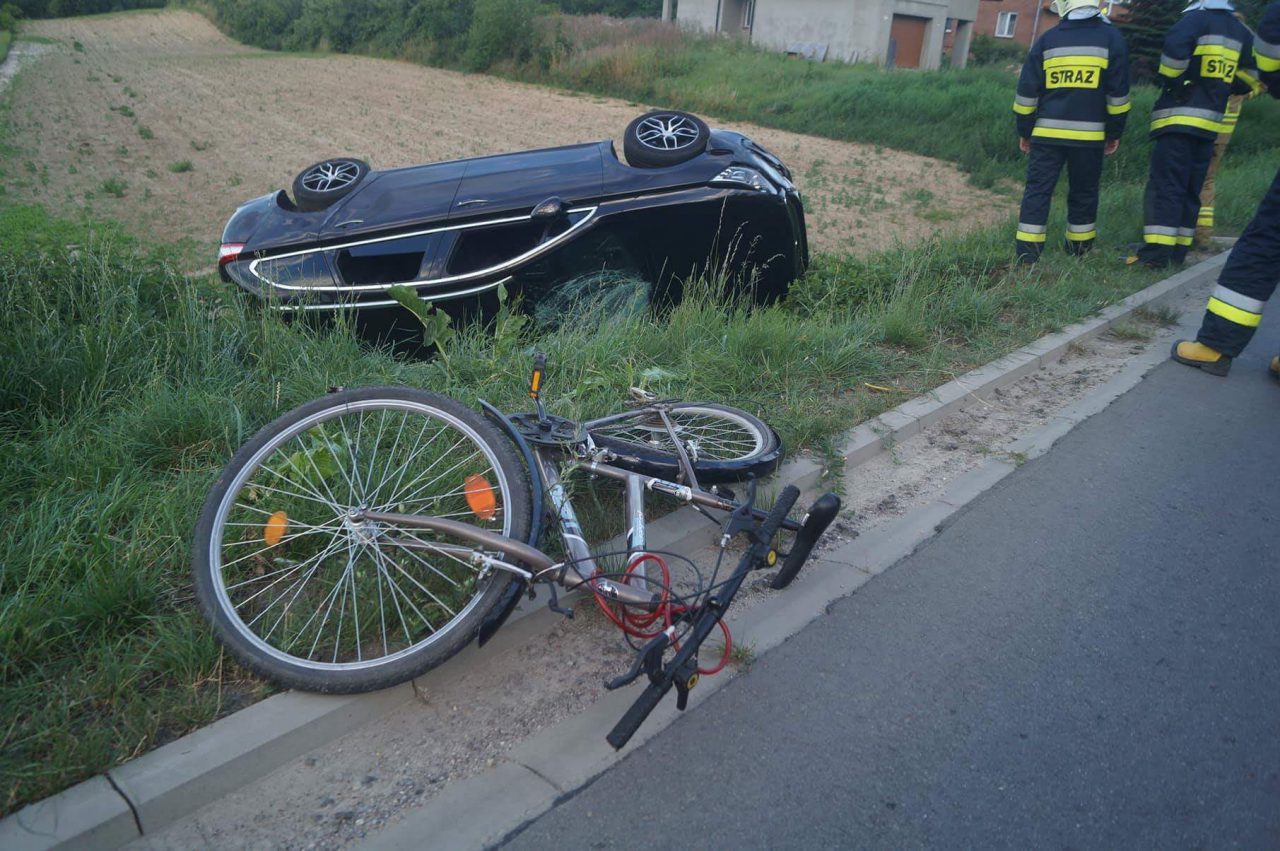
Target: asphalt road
[1089, 656]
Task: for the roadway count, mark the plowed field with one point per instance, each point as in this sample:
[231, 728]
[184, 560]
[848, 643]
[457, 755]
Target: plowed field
[160, 121]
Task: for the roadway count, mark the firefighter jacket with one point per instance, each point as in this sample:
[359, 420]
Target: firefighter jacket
[1266, 48]
[1207, 57]
[1074, 88]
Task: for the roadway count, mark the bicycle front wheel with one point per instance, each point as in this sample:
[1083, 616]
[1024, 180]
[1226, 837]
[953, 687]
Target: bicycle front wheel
[724, 444]
[304, 590]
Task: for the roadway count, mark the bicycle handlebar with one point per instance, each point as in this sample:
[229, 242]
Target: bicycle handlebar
[684, 663]
[645, 704]
[773, 522]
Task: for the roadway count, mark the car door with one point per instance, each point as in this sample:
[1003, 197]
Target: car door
[396, 200]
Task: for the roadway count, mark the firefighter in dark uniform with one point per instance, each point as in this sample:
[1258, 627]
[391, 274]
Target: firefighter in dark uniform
[1253, 269]
[1071, 106]
[1207, 56]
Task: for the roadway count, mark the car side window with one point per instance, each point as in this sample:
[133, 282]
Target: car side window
[392, 261]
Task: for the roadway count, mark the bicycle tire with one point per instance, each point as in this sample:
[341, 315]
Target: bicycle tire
[645, 446]
[302, 461]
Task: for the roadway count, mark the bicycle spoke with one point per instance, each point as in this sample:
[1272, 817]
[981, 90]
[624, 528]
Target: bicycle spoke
[318, 558]
[439, 477]
[424, 589]
[396, 496]
[412, 455]
[382, 560]
[355, 614]
[392, 454]
[236, 561]
[420, 559]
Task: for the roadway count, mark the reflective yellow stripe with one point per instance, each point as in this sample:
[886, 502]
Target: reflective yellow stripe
[1166, 71]
[1082, 237]
[1218, 50]
[1065, 61]
[1185, 240]
[1023, 236]
[1159, 239]
[1023, 110]
[1080, 135]
[1266, 63]
[1118, 110]
[1189, 121]
[1234, 314]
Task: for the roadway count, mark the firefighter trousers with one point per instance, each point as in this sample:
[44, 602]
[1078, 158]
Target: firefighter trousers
[1044, 165]
[1246, 282]
[1179, 163]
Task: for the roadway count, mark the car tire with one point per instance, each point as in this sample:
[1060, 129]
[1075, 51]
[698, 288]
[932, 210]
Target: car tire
[664, 138]
[318, 186]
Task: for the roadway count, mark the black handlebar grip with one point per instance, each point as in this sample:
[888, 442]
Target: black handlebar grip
[645, 703]
[786, 501]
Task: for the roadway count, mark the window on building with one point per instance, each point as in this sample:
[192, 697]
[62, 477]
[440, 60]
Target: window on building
[1006, 23]
[749, 14]
[950, 25]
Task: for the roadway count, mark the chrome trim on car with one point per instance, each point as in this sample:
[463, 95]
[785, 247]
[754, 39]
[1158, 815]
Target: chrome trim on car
[351, 305]
[515, 261]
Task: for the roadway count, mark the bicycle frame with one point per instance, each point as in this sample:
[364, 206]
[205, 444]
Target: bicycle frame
[580, 566]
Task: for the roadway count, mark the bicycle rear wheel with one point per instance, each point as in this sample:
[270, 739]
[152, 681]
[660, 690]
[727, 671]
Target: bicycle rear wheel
[723, 443]
[303, 590]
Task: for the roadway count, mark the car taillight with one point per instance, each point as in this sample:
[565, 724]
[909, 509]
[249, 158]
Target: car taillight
[229, 251]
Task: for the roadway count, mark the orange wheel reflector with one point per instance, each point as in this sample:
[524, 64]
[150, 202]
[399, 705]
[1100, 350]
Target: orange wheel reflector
[480, 496]
[277, 525]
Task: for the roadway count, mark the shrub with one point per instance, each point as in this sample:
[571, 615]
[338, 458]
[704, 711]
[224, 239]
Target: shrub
[114, 186]
[180, 166]
[501, 30]
[989, 50]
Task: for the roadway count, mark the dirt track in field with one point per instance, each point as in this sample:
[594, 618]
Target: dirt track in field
[109, 119]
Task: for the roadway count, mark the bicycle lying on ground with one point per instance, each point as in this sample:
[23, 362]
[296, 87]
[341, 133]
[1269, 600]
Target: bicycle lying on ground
[365, 537]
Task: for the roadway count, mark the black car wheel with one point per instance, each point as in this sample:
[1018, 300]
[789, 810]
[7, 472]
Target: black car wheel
[318, 186]
[664, 138]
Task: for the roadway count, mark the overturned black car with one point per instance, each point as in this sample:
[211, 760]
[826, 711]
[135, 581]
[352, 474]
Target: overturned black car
[549, 226]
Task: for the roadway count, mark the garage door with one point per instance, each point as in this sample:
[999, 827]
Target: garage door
[906, 40]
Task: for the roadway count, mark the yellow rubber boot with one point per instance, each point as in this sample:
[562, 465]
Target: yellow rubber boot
[1199, 355]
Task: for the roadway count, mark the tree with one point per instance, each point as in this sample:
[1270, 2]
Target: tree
[1144, 28]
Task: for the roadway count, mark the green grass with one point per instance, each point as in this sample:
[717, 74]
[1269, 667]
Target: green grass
[180, 166]
[6, 39]
[114, 186]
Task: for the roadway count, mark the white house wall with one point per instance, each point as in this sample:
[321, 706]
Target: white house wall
[850, 29]
[697, 14]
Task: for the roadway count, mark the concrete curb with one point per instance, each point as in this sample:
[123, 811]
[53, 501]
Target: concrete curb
[154, 790]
